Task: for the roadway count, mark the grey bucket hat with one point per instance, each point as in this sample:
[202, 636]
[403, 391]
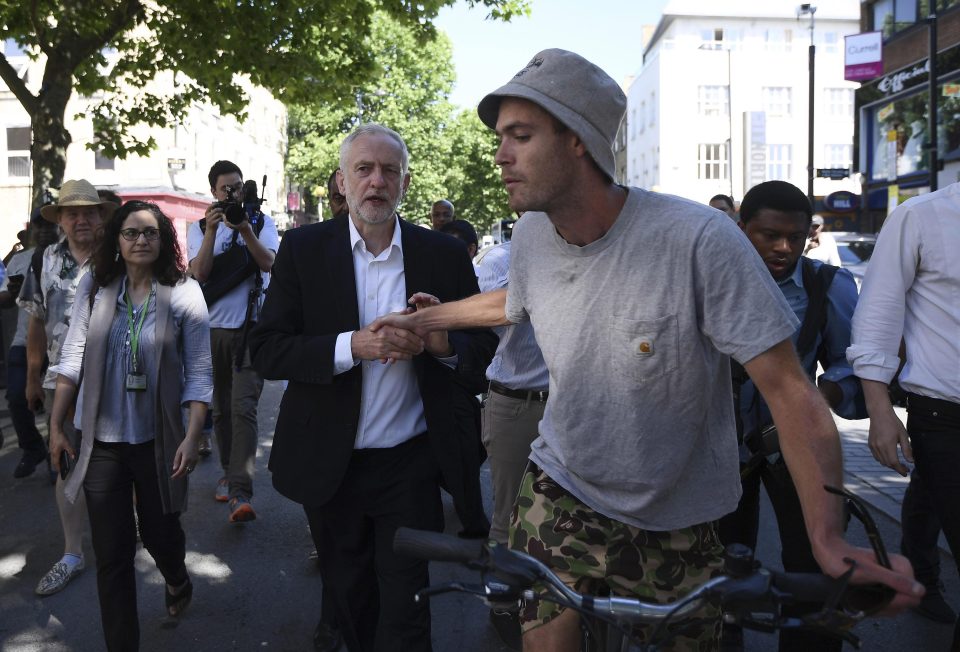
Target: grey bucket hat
[576, 92]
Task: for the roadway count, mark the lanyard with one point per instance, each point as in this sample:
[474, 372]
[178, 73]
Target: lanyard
[135, 326]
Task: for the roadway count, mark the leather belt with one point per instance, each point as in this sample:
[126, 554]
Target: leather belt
[522, 394]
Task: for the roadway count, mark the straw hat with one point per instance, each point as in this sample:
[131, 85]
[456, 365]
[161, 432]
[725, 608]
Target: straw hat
[77, 193]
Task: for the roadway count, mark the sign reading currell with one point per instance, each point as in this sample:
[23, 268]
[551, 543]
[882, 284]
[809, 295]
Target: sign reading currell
[863, 56]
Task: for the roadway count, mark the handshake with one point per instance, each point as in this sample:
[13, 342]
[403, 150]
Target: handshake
[400, 335]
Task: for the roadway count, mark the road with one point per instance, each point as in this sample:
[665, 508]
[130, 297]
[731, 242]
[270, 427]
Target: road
[256, 589]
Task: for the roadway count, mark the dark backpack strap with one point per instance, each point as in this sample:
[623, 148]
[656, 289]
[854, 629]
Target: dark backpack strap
[816, 283]
[36, 262]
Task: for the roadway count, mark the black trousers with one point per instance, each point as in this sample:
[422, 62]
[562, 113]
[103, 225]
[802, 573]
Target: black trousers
[934, 429]
[921, 531]
[114, 472]
[372, 587]
[24, 421]
[742, 526]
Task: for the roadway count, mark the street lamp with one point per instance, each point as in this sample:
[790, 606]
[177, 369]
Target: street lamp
[804, 10]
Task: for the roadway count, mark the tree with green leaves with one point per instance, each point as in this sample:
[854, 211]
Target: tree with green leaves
[451, 154]
[408, 93]
[112, 50]
[473, 178]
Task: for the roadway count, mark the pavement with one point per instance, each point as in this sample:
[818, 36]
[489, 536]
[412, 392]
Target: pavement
[256, 589]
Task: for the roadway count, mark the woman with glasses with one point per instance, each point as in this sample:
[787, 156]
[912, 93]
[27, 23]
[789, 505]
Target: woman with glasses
[139, 350]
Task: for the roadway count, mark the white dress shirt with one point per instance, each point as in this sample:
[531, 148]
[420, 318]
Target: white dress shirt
[826, 251]
[912, 288]
[391, 411]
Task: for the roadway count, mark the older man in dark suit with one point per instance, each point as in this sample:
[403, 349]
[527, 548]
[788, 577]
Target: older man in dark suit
[366, 431]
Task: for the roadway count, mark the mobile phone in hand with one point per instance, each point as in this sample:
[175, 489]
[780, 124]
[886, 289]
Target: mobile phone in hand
[65, 464]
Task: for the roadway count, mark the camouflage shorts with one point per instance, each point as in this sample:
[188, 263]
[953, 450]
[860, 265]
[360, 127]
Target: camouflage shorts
[590, 551]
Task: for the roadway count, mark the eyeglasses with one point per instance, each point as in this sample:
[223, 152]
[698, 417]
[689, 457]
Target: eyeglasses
[131, 235]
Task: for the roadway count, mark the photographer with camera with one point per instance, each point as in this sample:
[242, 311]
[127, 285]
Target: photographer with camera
[231, 251]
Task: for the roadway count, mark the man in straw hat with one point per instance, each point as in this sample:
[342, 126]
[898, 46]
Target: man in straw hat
[47, 295]
[637, 300]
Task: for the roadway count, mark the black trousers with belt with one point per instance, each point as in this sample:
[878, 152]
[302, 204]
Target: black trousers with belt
[742, 526]
[115, 471]
[372, 587]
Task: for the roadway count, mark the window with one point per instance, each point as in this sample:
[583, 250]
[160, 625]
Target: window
[839, 103]
[712, 38]
[18, 151]
[712, 161]
[892, 16]
[831, 42]
[778, 162]
[643, 116]
[653, 108]
[633, 124]
[777, 101]
[712, 100]
[101, 162]
[838, 156]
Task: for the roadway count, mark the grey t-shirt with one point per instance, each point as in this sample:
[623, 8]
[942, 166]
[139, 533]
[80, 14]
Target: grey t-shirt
[636, 328]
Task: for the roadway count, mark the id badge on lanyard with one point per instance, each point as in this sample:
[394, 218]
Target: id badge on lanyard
[136, 381]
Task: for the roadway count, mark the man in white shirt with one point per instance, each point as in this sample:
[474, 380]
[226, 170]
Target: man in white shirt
[362, 443]
[821, 245]
[910, 291]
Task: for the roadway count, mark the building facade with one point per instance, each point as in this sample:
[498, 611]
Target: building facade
[721, 100]
[894, 110]
[176, 168]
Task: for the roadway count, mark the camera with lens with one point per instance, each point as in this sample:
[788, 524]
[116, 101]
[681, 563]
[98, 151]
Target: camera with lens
[235, 209]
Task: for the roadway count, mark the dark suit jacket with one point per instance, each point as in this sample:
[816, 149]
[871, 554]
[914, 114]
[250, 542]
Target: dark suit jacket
[311, 299]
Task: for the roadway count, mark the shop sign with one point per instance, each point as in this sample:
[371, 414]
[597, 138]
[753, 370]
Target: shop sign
[885, 112]
[951, 90]
[755, 147]
[176, 164]
[863, 56]
[895, 83]
[842, 201]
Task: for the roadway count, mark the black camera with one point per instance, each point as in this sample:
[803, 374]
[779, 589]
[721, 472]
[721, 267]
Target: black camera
[237, 210]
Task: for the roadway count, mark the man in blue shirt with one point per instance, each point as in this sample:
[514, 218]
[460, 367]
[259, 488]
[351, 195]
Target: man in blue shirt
[776, 217]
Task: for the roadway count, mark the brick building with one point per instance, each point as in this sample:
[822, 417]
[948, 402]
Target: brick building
[893, 111]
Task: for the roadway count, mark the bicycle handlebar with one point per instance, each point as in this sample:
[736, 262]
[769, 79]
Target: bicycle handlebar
[744, 589]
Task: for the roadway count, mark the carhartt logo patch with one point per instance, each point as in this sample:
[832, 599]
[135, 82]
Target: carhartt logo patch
[645, 347]
[536, 62]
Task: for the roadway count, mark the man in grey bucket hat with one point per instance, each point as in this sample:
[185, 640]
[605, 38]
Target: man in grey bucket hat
[637, 299]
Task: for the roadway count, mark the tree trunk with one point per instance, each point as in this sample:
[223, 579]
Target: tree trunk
[48, 149]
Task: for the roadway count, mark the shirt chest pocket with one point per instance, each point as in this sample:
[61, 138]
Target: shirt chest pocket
[645, 349]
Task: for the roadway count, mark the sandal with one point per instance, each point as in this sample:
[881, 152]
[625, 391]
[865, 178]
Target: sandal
[177, 603]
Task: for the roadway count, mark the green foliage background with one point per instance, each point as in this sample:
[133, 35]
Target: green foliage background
[451, 153]
[302, 51]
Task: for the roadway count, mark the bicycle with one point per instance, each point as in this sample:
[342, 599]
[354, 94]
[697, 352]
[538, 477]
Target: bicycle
[749, 594]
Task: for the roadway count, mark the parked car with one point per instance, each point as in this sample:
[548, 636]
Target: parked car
[855, 251]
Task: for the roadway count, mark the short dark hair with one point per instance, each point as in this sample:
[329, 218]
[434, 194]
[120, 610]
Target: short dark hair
[221, 168]
[461, 229]
[108, 195]
[333, 178]
[775, 195]
[108, 264]
[726, 199]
